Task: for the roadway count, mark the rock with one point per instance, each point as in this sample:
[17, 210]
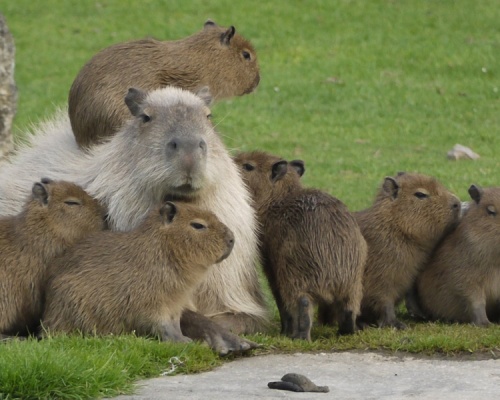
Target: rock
[8, 90]
[460, 151]
[297, 383]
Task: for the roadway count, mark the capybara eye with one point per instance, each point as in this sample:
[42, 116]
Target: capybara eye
[197, 225]
[246, 55]
[421, 195]
[145, 118]
[209, 116]
[491, 210]
[72, 203]
[248, 167]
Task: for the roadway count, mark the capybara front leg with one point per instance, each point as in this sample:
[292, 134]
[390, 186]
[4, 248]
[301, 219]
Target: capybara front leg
[171, 331]
[479, 317]
[303, 319]
[198, 327]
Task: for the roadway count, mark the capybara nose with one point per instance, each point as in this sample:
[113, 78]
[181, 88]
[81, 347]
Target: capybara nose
[456, 206]
[229, 239]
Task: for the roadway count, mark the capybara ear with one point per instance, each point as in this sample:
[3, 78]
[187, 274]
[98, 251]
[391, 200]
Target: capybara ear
[168, 211]
[391, 187]
[134, 100]
[204, 94]
[279, 170]
[226, 37]
[40, 193]
[46, 181]
[299, 166]
[401, 173]
[475, 193]
[209, 24]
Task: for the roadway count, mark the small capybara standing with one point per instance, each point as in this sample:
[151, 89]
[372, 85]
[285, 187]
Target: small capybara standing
[311, 246]
[410, 215]
[137, 281]
[56, 216]
[461, 282]
[216, 57]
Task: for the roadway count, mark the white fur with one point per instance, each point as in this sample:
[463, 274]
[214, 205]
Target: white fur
[106, 172]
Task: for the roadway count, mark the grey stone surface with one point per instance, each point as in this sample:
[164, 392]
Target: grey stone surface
[8, 90]
[349, 376]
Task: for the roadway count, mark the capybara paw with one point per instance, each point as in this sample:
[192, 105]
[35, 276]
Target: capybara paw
[225, 343]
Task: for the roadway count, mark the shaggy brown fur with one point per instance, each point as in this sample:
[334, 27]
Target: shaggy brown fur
[312, 248]
[56, 216]
[462, 281]
[138, 281]
[409, 217]
[216, 57]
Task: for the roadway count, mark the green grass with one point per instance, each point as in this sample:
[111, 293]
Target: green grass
[358, 89]
[71, 367]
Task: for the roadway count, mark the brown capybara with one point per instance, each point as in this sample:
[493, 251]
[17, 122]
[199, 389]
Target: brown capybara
[461, 282]
[55, 217]
[311, 246]
[167, 150]
[216, 57]
[138, 281]
[410, 215]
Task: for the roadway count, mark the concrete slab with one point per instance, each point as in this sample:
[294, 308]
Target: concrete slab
[349, 376]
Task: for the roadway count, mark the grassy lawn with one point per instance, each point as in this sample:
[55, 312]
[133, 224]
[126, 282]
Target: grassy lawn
[358, 89]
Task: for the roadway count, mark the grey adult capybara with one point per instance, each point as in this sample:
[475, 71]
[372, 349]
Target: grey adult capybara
[216, 57]
[311, 246]
[461, 282]
[410, 215]
[168, 149]
[56, 215]
[137, 281]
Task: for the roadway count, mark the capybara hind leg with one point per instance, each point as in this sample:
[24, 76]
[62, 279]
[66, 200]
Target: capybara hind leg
[347, 323]
[286, 322]
[479, 317]
[388, 317]
[493, 312]
[303, 319]
[348, 310]
[326, 314]
[412, 304]
[198, 327]
[239, 323]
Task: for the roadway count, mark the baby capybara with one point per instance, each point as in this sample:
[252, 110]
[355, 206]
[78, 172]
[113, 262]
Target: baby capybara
[215, 57]
[56, 215]
[461, 282]
[410, 215]
[138, 281]
[311, 246]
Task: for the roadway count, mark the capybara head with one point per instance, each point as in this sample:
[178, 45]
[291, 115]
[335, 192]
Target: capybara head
[169, 137]
[63, 211]
[481, 214]
[419, 206]
[267, 175]
[195, 236]
[233, 61]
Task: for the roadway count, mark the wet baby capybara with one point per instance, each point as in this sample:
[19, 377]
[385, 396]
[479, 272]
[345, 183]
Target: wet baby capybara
[311, 246]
